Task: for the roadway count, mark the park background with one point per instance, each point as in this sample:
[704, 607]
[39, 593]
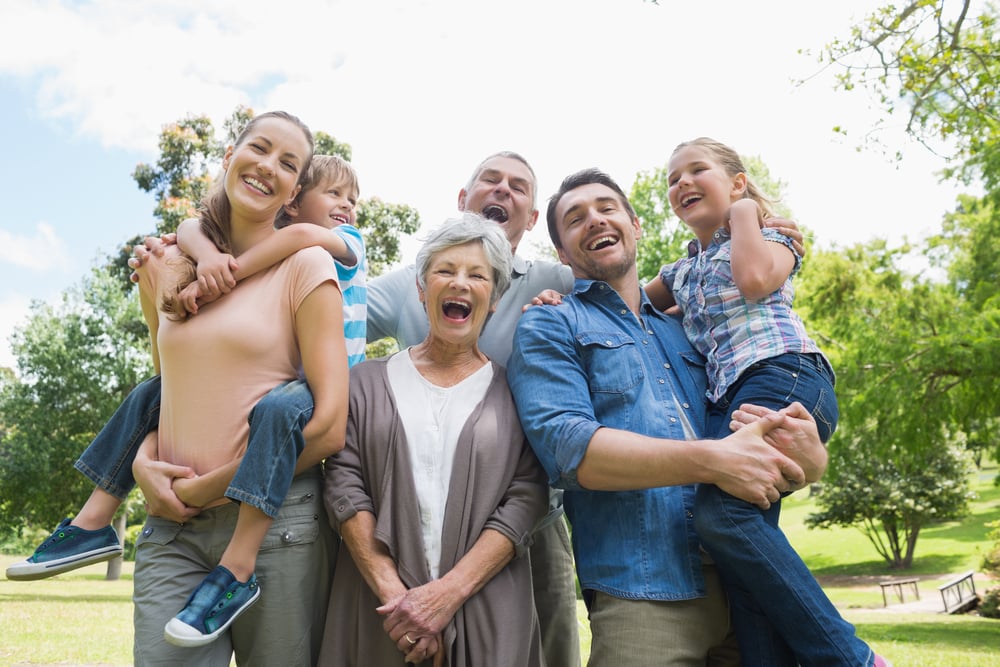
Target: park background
[875, 124]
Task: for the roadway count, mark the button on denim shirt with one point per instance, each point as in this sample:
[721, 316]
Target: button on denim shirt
[590, 363]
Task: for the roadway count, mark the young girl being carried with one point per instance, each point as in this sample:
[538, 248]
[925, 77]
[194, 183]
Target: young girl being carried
[735, 292]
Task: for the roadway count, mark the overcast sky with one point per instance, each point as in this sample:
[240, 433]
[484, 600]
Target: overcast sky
[422, 91]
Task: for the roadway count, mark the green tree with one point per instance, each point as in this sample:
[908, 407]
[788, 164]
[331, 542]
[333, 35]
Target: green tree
[77, 361]
[968, 250]
[181, 175]
[908, 353]
[939, 62]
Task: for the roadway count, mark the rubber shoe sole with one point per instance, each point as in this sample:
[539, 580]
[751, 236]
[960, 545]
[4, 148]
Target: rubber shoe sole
[179, 633]
[26, 570]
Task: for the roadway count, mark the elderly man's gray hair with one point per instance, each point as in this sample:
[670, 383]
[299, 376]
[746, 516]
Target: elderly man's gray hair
[470, 228]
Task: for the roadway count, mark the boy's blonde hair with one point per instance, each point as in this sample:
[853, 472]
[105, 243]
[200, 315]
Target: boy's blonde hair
[323, 170]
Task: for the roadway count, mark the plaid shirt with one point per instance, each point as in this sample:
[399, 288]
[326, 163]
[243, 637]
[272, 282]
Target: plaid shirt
[730, 331]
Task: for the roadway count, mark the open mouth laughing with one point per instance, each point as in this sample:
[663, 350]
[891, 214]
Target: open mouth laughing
[495, 213]
[601, 242]
[455, 309]
[690, 199]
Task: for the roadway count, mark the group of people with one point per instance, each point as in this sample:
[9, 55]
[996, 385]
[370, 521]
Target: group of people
[306, 506]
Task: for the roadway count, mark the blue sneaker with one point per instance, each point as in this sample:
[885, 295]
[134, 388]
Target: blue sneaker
[67, 548]
[214, 605]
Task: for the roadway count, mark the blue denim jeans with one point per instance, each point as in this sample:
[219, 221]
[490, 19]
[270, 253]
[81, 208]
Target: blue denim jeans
[780, 613]
[263, 477]
[107, 461]
[273, 448]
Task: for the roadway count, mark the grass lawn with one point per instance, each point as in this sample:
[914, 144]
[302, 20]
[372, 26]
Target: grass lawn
[81, 619]
[74, 619]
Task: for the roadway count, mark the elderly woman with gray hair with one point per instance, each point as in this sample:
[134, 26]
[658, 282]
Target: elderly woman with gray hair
[437, 490]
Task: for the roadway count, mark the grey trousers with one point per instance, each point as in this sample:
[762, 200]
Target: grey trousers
[294, 568]
[553, 579]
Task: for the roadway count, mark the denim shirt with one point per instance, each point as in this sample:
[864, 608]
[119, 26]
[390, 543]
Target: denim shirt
[589, 363]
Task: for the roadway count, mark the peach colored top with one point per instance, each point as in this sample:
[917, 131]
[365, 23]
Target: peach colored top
[216, 365]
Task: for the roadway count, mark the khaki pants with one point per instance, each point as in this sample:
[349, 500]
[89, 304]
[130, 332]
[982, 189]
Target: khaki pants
[294, 568]
[646, 633]
[553, 581]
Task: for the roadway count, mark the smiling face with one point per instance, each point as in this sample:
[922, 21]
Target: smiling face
[457, 289]
[329, 204]
[262, 171]
[701, 190]
[597, 234]
[504, 192]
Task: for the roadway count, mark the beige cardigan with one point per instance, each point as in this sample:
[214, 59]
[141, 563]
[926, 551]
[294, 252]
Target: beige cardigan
[496, 483]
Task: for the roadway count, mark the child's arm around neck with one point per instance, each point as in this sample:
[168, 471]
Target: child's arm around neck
[289, 240]
[282, 244]
[759, 266]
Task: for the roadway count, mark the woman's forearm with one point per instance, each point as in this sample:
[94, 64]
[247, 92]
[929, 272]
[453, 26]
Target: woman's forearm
[373, 562]
[490, 554]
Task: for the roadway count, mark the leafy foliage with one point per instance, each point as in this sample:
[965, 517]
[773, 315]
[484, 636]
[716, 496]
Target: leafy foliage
[916, 376]
[382, 225]
[180, 177]
[940, 61]
[77, 361]
[991, 560]
[990, 604]
[891, 496]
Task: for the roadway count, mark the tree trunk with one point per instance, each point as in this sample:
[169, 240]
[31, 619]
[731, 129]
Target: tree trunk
[115, 564]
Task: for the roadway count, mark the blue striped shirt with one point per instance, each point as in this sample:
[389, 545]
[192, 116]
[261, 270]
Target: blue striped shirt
[733, 332]
[355, 292]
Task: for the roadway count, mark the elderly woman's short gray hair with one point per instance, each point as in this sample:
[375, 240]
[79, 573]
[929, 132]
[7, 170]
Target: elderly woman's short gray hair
[470, 228]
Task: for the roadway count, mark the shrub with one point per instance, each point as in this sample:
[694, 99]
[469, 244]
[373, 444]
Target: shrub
[989, 606]
[991, 560]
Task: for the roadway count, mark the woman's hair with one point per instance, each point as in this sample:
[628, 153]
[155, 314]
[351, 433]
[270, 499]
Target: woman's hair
[214, 213]
[324, 170]
[730, 160]
[470, 228]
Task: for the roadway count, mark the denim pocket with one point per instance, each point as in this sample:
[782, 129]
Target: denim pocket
[613, 365]
[615, 374]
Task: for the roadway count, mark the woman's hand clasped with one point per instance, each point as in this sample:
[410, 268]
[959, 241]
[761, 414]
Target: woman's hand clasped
[415, 620]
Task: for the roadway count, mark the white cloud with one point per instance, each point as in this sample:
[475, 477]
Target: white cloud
[42, 251]
[423, 89]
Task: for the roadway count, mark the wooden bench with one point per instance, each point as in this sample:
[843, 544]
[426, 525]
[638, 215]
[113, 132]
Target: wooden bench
[959, 594]
[897, 586]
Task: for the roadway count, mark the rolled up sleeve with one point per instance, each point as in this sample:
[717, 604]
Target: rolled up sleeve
[551, 391]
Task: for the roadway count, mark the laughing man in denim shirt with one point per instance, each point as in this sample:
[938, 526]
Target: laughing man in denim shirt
[611, 396]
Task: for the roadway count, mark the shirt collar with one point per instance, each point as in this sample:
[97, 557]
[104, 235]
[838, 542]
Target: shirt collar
[520, 266]
[721, 235]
